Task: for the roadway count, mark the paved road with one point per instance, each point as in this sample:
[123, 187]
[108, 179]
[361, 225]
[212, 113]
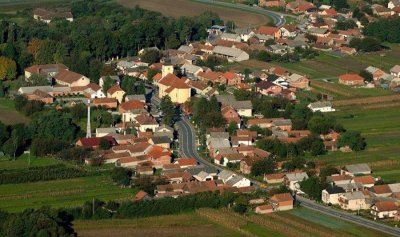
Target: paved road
[188, 149]
[348, 217]
[277, 18]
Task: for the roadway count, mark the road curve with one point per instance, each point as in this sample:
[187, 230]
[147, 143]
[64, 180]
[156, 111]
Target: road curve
[188, 149]
[277, 18]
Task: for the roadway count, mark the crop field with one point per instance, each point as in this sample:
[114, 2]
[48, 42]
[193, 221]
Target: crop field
[224, 223]
[8, 114]
[60, 193]
[178, 8]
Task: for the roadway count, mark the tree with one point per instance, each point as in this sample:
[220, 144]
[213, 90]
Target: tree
[318, 148]
[10, 147]
[107, 84]
[327, 171]
[340, 4]
[2, 90]
[168, 109]
[263, 166]
[4, 134]
[320, 124]
[38, 80]
[8, 69]
[232, 128]
[312, 187]
[367, 44]
[366, 75]
[121, 176]
[352, 139]
[105, 144]
[150, 56]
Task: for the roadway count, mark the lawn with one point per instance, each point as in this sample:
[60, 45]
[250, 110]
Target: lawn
[22, 162]
[60, 193]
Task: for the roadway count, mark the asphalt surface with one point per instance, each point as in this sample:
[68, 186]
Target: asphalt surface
[277, 18]
[348, 217]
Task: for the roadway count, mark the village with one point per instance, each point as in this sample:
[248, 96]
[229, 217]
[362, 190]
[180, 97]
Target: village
[191, 119]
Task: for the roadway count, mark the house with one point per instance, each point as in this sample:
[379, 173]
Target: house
[163, 141]
[367, 181]
[289, 31]
[146, 123]
[102, 132]
[282, 124]
[71, 79]
[191, 70]
[274, 178]
[115, 79]
[321, 106]
[261, 122]
[354, 201]
[142, 195]
[395, 71]
[393, 4]
[385, 209]
[268, 88]
[356, 169]
[292, 180]
[109, 103]
[271, 3]
[264, 209]
[299, 6]
[232, 78]
[244, 33]
[247, 163]
[298, 81]
[351, 79]
[210, 76]
[131, 109]
[46, 15]
[186, 162]
[232, 54]
[330, 195]
[282, 201]
[47, 70]
[176, 88]
[273, 31]
[339, 179]
[164, 130]
[243, 108]
[216, 29]
[94, 142]
[375, 72]
[40, 95]
[381, 190]
[116, 92]
[238, 181]
[230, 115]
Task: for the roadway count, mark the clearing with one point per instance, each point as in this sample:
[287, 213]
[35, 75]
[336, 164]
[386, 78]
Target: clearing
[191, 8]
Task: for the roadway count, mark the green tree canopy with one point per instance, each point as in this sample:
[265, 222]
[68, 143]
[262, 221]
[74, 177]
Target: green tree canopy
[263, 166]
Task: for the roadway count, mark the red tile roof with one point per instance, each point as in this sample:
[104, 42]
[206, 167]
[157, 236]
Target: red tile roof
[282, 197]
[132, 104]
[351, 77]
[67, 76]
[267, 30]
[114, 89]
[95, 141]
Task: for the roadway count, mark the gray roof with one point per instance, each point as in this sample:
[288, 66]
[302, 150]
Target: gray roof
[194, 170]
[395, 69]
[294, 77]
[114, 78]
[243, 31]
[282, 122]
[227, 150]
[160, 139]
[190, 68]
[202, 174]
[280, 133]
[164, 127]
[394, 187]
[186, 48]
[297, 176]
[354, 195]
[351, 186]
[48, 89]
[358, 168]
[231, 52]
[229, 36]
[225, 174]
[230, 100]
[135, 97]
[224, 135]
[106, 130]
[371, 69]
[234, 180]
[218, 143]
[318, 30]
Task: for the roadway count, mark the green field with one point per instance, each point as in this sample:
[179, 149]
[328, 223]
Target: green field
[22, 162]
[60, 193]
[8, 114]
